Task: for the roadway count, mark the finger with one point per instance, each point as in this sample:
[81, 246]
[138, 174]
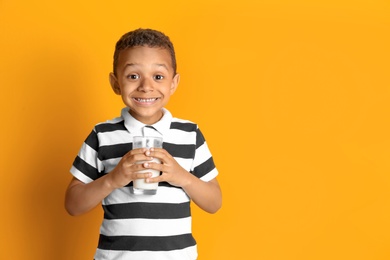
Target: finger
[153, 166]
[138, 158]
[159, 153]
[143, 175]
[137, 151]
[139, 168]
[154, 179]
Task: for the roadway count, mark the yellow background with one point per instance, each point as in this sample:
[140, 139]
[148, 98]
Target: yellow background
[292, 96]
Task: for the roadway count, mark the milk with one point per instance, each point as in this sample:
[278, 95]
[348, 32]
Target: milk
[139, 185]
[142, 187]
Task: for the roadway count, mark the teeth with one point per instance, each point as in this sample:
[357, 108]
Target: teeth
[146, 99]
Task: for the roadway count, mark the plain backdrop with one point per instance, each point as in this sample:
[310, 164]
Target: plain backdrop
[292, 96]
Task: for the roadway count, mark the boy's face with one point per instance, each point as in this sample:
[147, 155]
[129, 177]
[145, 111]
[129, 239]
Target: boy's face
[145, 81]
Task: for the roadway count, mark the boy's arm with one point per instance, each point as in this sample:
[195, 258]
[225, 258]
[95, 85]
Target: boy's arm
[81, 197]
[207, 195]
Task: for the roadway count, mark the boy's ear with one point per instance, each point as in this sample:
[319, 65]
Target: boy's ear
[114, 83]
[175, 83]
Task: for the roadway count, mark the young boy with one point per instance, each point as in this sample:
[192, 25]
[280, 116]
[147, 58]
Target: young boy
[144, 226]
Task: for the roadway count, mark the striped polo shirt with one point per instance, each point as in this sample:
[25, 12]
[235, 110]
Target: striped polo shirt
[145, 226]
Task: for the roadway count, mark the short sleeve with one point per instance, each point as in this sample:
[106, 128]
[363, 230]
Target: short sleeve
[86, 165]
[203, 165]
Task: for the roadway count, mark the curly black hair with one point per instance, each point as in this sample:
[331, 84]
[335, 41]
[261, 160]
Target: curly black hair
[144, 37]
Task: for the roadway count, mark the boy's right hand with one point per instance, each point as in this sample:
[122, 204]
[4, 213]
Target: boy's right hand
[82, 197]
[127, 169]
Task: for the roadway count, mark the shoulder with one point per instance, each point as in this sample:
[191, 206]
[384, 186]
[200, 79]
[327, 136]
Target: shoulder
[111, 125]
[183, 125]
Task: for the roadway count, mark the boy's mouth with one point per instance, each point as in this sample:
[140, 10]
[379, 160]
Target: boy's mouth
[145, 100]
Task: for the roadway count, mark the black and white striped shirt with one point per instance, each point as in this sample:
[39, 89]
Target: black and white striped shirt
[145, 226]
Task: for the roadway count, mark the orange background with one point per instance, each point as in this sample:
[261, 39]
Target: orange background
[292, 96]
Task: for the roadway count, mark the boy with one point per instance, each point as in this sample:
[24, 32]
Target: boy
[144, 226]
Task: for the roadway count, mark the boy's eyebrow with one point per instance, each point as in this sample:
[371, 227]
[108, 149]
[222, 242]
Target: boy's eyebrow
[155, 64]
[162, 65]
[131, 65]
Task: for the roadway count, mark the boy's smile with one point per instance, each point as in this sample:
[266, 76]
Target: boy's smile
[145, 101]
[145, 81]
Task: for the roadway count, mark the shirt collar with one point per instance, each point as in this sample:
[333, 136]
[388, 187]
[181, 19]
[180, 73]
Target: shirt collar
[135, 126]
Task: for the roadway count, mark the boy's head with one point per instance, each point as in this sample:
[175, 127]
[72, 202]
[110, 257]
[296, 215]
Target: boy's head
[144, 73]
[144, 37]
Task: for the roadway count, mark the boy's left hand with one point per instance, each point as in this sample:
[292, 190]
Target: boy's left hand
[207, 195]
[171, 171]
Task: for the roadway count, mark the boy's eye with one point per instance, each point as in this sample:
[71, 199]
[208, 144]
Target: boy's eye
[133, 76]
[158, 77]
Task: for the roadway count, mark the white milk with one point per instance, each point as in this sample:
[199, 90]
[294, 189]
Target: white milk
[141, 187]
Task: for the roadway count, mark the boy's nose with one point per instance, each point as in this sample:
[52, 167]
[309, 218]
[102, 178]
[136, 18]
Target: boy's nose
[145, 86]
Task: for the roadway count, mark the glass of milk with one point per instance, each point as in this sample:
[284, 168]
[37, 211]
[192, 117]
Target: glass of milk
[139, 185]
